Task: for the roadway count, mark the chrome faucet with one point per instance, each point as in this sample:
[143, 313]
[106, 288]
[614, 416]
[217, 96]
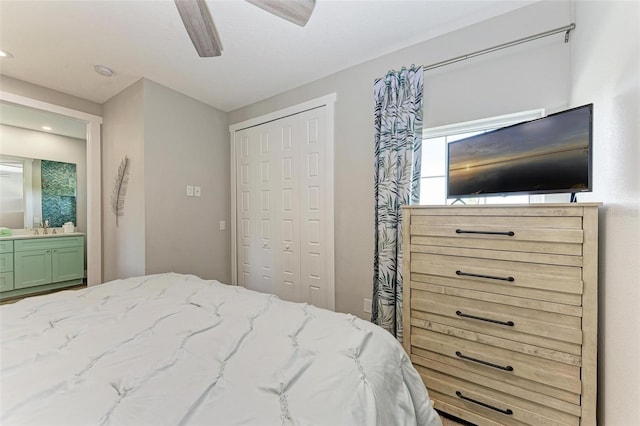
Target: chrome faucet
[45, 226]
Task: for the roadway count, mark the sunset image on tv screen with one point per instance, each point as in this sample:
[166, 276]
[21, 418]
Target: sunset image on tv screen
[545, 155]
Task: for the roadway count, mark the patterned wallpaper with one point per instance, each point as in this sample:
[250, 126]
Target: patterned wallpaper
[59, 184]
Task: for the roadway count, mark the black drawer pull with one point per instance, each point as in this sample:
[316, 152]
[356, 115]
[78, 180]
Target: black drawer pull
[508, 411]
[479, 361]
[508, 233]
[467, 274]
[461, 314]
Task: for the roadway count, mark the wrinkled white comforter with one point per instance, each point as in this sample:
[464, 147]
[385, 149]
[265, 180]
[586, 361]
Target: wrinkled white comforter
[175, 349]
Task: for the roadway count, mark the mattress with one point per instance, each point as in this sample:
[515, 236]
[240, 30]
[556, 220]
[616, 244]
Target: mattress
[176, 349]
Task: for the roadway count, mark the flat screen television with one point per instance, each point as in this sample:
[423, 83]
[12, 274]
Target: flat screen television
[547, 155]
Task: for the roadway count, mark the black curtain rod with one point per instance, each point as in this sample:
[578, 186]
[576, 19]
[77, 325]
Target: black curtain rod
[566, 30]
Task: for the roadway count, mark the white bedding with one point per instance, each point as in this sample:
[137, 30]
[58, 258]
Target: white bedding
[175, 349]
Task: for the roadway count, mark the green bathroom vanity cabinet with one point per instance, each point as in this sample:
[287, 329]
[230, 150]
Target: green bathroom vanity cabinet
[41, 263]
[6, 266]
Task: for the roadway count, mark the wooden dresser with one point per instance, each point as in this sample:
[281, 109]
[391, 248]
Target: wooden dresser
[501, 309]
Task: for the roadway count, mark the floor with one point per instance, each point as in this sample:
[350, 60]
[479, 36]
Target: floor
[15, 299]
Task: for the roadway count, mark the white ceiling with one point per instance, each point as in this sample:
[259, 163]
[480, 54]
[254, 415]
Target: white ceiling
[57, 43]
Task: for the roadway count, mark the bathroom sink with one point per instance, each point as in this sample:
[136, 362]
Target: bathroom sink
[29, 234]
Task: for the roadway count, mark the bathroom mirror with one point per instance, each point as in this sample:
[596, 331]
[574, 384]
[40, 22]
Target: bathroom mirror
[34, 190]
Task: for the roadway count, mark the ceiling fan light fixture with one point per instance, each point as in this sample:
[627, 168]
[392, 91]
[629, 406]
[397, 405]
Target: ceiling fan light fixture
[103, 71]
[199, 24]
[197, 20]
[295, 11]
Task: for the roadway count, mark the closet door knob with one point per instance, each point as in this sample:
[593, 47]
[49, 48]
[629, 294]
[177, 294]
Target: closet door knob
[286, 246]
[265, 244]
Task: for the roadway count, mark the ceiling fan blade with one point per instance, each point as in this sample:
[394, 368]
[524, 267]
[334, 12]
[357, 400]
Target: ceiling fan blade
[296, 11]
[199, 24]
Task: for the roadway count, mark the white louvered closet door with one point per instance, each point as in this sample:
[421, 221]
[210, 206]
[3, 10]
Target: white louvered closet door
[282, 208]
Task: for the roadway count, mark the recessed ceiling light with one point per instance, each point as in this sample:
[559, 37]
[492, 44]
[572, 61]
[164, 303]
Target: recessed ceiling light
[103, 71]
[47, 128]
[5, 54]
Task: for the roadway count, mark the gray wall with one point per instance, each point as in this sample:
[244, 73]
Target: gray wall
[123, 245]
[172, 141]
[606, 71]
[536, 75]
[186, 143]
[46, 146]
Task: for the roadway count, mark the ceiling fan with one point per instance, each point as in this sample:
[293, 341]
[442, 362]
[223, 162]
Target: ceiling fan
[199, 24]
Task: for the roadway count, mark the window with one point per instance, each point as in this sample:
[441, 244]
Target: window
[433, 177]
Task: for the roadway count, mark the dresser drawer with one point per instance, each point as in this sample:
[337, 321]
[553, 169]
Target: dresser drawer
[501, 233]
[501, 407]
[492, 254]
[500, 223]
[547, 298]
[6, 262]
[495, 317]
[553, 398]
[497, 362]
[502, 244]
[555, 350]
[548, 395]
[501, 228]
[566, 279]
[553, 235]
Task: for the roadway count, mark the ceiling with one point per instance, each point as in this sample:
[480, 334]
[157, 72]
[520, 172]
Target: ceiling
[57, 43]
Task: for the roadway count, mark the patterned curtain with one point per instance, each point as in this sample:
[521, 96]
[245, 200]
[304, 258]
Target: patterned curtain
[398, 121]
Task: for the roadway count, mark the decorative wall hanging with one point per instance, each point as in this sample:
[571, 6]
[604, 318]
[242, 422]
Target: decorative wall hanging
[120, 188]
[58, 192]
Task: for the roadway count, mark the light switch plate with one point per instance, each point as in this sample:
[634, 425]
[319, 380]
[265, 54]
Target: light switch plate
[367, 306]
[189, 191]
[196, 191]
[223, 225]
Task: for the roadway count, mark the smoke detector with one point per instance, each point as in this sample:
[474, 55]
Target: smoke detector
[103, 71]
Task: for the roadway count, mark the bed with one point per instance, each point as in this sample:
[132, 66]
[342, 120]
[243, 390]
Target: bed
[176, 349]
